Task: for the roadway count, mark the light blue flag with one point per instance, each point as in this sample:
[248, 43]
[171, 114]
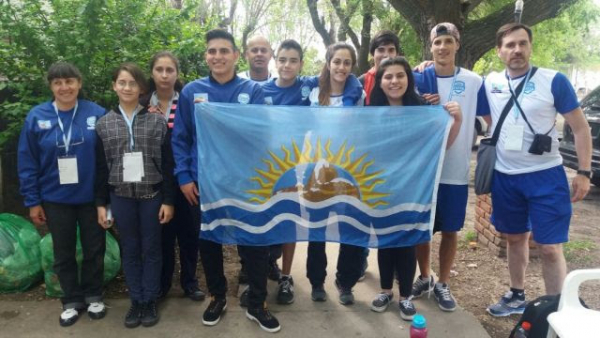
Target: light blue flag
[364, 176]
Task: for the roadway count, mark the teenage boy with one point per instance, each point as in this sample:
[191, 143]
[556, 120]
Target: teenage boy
[385, 44]
[449, 83]
[222, 85]
[258, 53]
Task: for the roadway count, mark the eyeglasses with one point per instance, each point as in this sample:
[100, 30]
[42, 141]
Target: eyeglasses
[124, 84]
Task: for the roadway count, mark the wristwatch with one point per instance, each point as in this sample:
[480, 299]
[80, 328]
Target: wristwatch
[585, 173]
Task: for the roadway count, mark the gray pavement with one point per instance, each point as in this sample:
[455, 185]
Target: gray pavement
[181, 317]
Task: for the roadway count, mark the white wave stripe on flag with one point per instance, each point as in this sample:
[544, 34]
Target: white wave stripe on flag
[311, 225]
[293, 196]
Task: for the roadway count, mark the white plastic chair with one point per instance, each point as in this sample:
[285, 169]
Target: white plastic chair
[572, 320]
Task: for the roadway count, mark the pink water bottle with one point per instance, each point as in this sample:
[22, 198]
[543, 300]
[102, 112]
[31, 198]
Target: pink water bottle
[418, 329]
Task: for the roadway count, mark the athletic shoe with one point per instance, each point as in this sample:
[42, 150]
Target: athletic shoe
[407, 309]
[421, 286]
[264, 318]
[381, 302]
[133, 318]
[68, 317]
[194, 293]
[444, 297]
[96, 310]
[274, 271]
[346, 296]
[150, 314]
[318, 293]
[507, 305]
[244, 297]
[285, 292]
[214, 311]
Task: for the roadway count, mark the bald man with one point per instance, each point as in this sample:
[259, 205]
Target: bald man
[258, 53]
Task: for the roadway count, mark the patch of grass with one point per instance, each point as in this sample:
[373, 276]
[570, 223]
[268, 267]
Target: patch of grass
[578, 251]
[470, 236]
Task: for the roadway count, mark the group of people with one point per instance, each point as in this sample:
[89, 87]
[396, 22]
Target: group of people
[140, 157]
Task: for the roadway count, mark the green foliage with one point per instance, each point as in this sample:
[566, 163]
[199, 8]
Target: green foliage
[560, 42]
[96, 36]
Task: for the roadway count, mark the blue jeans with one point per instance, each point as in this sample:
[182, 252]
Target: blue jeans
[140, 233]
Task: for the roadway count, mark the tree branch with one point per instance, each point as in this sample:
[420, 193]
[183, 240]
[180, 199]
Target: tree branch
[319, 22]
[345, 21]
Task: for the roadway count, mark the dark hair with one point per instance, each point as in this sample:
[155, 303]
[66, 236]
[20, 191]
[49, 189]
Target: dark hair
[63, 70]
[137, 74]
[160, 55]
[509, 28]
[218, 33]
[384, 37]
[325, 76]
[410, 98]
[291, 44]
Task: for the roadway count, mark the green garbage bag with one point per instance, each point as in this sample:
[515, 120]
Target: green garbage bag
[19, 254]
[112, 262]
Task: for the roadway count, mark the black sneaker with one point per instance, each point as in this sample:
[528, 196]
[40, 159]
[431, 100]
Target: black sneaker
[444, 297]
[133, 318]
[96, 310]
[318, 293]
[149, 314]
[381, 302]
[346, 295]
[244, 297]
[274, 271]
[264, 318]
[407, 309]
[68, 317]
[194, 293]
[285, 292]
[422, 286]
[214, 311]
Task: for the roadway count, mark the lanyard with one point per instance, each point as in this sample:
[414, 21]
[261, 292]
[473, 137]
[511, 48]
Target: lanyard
[453, 82]
[129, 124]
[519, 98]
[66, 136]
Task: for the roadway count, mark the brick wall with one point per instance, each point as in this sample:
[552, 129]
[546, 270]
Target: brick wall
[487, 234]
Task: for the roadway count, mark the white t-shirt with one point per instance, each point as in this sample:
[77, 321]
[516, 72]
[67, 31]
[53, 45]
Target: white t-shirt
[457, 160]
[546, 93]
[246, 75]
[334, 100]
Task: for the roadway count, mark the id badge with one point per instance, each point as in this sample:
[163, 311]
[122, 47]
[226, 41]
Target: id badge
[514, 138]
[67, 170]
[133, 167]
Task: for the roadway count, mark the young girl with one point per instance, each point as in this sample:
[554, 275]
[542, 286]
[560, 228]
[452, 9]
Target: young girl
[135, 168]
[164, 93]
[340, 58]
[395, 86]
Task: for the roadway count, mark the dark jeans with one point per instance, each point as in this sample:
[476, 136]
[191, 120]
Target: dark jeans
[349, 264]
[140, 232]
[185, 231]
[256, 260]
[275, 252]
[62, 220]
[403, 262]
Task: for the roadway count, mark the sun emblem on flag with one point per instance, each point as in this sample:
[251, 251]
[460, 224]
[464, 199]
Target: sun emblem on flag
[318, 173]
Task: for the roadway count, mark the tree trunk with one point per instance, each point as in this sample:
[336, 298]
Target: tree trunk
[477, 37]
[319, 23]
[365, 37]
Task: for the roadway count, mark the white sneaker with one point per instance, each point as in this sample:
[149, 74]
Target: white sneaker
[68, 317]
[96, 310]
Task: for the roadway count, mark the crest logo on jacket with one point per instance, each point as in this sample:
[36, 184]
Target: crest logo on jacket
[244, 98]
[44, 124]
[91, 122]
[305, 92]
[459, 87]
[529, 87]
